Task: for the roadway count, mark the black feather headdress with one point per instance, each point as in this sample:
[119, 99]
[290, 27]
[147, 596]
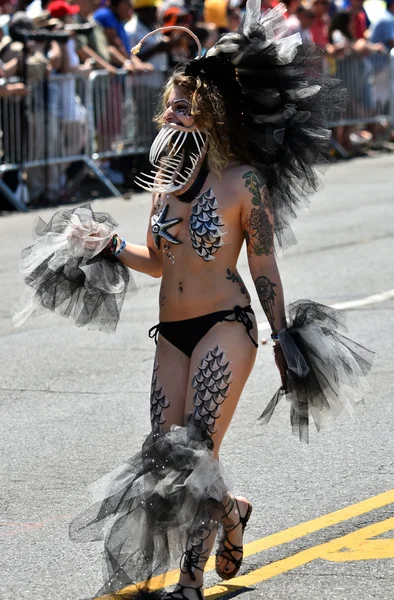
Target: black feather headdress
[284, 102]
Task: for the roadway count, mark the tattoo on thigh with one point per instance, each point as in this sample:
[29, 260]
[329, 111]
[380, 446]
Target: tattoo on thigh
[211, 382]
[158, 401]
[237, 279]
[266, 293]
[258, 229]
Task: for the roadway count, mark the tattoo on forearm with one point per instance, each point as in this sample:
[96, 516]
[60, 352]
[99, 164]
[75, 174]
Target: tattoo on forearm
[266, 293]
[237, 279]
[258, 229]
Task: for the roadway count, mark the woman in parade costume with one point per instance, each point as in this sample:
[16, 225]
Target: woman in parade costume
[241, 132]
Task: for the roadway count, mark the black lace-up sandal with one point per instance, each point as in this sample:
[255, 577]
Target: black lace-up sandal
[226, 547]
[191, 561]
[179, 594]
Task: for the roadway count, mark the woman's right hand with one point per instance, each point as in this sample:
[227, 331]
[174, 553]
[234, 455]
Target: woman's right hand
[82, 240]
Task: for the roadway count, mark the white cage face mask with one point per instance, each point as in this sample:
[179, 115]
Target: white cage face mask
[176, 154]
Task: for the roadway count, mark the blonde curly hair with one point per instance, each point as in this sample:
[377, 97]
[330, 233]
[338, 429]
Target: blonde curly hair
[208, 109]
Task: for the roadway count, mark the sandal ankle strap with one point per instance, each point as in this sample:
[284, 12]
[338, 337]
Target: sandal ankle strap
[231, 502]
[189, 587]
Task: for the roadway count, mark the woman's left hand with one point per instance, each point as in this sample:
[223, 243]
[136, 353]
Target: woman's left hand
[281, 363]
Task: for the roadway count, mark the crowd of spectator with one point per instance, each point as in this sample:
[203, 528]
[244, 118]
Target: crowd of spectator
[99, 34]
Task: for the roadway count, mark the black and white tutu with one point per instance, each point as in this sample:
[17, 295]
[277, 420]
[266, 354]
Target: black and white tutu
[326, 370]
[68, 272]
[150, 509]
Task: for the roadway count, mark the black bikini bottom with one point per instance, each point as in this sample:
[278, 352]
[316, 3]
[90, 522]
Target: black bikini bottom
[186, 334]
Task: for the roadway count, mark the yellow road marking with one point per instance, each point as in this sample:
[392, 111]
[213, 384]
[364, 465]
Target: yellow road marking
[322, 551]
[368, 550]
[282, 537]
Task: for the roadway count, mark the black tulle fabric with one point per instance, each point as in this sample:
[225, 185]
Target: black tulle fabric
[275, 90]
[68, 272]
[149, 509]
[326, 370]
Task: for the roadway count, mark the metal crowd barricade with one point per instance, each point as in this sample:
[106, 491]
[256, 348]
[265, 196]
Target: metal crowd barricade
[42, 133]
[369, 81]
[121, 112]
[68, 118]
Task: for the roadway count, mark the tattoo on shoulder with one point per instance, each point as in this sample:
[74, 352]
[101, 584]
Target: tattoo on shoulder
[254, 182]
[258, 229]
[266, 293]
[237, 279]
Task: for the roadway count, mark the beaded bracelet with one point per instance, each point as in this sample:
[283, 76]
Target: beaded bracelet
[121, 247]
[111, 246]
[275, 336]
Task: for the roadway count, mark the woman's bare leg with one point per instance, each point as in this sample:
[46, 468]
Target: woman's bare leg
[219, 368]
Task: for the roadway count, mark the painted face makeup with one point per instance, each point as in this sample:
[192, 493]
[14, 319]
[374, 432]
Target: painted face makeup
[177, 151]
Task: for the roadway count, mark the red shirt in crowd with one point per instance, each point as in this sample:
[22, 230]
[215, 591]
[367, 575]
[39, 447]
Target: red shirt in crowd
[359, 24]
[319, 31]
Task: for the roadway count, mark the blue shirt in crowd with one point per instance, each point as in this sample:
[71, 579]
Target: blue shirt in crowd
[383, 30]
[109, 20]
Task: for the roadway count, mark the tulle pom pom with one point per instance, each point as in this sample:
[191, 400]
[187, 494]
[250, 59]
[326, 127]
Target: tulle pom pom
[68, 272]
[325, 369]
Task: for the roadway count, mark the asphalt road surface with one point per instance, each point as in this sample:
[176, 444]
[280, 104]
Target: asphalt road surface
[74, 404]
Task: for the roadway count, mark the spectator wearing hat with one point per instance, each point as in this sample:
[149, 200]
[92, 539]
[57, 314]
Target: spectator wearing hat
[94, 43]
[65, 13]
[172, 13]
[157, 47]
[40, 57]
[67, 105]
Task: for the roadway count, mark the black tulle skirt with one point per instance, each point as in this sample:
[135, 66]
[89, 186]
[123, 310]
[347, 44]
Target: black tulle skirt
[149, 510]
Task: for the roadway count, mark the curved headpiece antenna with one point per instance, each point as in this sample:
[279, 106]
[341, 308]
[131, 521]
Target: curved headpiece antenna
[137, 48]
